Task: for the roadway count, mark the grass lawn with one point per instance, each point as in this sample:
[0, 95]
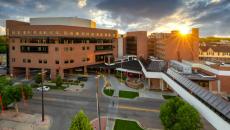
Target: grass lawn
[126, 125]
[128, 94]
[108, 92]
[168, 96]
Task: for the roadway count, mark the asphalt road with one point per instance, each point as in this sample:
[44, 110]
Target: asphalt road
[62, 106]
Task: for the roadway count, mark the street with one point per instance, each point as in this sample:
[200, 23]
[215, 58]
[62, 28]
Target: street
[62, 106]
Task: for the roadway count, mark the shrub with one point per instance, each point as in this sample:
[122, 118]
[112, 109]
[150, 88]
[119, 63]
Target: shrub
[80, 122]
[176, 114]
[58, 81]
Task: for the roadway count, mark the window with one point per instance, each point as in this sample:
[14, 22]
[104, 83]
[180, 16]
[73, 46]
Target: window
[87, 47]
[88, 59]
[77, 33]
[66, 62]
[57, 61]
[71, 48]
[71, 61]
[24, 60]
[28, 60]
[39, 61]
[66, 49]
[13, 48]
[45, 61]
[83, 59]
[13, 59]
[57, 32]
[56, 49]
[34, 32]
[83, 48]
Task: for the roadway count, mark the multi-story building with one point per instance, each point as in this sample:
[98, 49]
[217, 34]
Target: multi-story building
[135, 43]
[175, 46]
[57, 49]
[217, 52]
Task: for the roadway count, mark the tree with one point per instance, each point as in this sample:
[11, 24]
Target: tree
[38, 78]
[58, 81]
[176, 114]
[80, 122]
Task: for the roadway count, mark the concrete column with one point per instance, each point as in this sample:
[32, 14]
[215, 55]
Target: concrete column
[53, 74]
[210, 86]
[161, 85]
[85, 69]
[149, 83]
[218, 87]
[27, 73]
[61, 73]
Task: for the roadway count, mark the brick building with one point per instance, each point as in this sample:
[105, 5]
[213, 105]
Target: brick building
[58, 49]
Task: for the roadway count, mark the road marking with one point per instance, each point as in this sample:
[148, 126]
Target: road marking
[61, 100]
[137, 108]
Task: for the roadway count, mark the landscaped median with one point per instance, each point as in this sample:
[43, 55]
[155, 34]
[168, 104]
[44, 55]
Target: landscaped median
[108, 91]
[126, 125]
[128, 94]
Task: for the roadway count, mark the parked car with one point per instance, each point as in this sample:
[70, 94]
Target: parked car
[45, 88]
[82, 78]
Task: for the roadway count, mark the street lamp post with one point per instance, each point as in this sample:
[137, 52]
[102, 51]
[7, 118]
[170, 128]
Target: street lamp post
[43, 113]
[98, 105]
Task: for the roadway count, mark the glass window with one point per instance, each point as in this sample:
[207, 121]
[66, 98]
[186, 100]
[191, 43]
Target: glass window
[39, 61]
[29, 61]
[45, 61]
[24, 60]
[71, 61]
[56, 49]
[83, 48]
[66, 62]
[13, 48]
[77, 33]
[57, 61]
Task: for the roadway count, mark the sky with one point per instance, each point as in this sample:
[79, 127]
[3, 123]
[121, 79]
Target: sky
[211, 16]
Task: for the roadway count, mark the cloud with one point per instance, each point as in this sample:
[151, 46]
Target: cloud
[40, 7]
[82, 3]
[132, 10]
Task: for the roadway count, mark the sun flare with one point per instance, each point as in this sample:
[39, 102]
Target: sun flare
[184, 29]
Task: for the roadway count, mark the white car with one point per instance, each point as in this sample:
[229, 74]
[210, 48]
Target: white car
[45, 88]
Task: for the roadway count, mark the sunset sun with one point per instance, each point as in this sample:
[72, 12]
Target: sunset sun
[184, 29]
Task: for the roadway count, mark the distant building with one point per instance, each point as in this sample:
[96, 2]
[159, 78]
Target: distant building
[175, 46]
[59, 46]
[135, 43]
[216, 52]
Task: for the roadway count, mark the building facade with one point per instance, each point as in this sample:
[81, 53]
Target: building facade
[56, 49]
[216, 52]
[135, 43]
[175, 46]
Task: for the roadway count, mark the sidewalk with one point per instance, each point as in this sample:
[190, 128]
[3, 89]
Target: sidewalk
[145, 93]
[10, 120]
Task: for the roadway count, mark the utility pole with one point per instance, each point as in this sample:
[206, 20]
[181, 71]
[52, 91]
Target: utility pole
[98, 105]
[43, 113]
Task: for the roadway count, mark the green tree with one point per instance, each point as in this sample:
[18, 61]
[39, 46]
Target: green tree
[38, 78]
[80, 122]
[58, 81]
[176, 114]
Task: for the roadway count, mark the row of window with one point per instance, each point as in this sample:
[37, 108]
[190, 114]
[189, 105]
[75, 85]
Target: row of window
[217, 53]
[71, 33]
